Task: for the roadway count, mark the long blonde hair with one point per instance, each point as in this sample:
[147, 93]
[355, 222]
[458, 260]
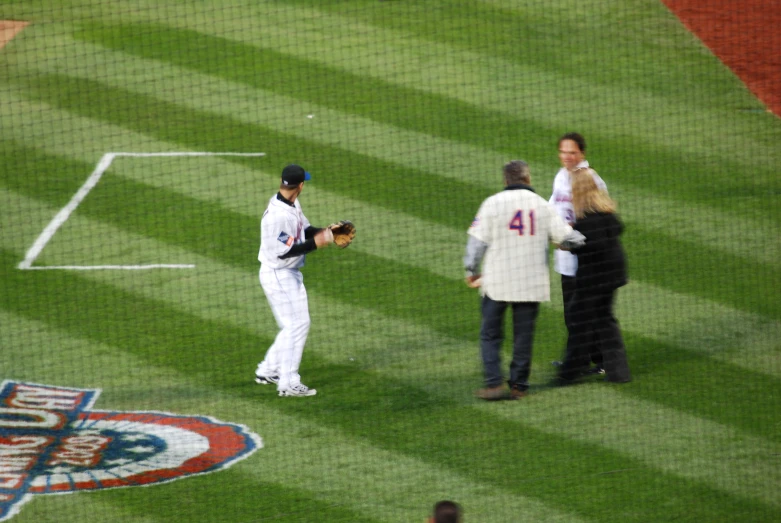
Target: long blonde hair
[587, 197]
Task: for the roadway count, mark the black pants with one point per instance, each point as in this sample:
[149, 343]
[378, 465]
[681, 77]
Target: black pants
[492, 336]
[594, 327]
[589, 345]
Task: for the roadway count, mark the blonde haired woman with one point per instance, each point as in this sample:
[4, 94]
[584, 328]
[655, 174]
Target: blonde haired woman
[601, 271]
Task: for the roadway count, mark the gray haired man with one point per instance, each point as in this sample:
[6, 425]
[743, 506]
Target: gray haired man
[507, 258]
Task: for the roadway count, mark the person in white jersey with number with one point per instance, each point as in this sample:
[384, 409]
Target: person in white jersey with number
[572, 155]
[512, 231]
[286, 236]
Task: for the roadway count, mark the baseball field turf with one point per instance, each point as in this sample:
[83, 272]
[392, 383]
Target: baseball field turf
[141, 141]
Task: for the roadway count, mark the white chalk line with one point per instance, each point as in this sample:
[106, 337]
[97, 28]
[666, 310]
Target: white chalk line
[113, 267]
[62, 216]
[144, 155]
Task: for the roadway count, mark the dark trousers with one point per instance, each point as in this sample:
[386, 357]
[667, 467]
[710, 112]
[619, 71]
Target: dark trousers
[492, 336]
[588, 344]
[593, 326]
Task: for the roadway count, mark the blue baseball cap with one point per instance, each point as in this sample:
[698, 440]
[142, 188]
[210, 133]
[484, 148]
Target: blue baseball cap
[293, 175]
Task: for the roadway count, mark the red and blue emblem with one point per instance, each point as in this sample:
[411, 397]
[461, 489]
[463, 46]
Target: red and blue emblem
[52, 442]
[286, 239]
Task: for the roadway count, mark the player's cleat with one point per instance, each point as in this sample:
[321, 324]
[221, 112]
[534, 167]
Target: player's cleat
[266, 380]
[298, 390]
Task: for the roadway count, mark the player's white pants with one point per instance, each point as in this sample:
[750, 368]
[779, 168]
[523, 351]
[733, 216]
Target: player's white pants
[284, 289]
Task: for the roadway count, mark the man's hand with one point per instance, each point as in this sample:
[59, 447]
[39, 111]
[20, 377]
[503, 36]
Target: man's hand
[324, 237]
[475, 281]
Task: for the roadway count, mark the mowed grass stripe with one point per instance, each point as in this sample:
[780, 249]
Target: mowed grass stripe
[663, 438]
[397, 188]
[370, 481]
[685, 265]
[306, 79]
[246, 499]
[190, 231]
[658, 52]
[518, 63]
[742, 237]
[194, 129]
[402, 410]
[418, 61]
[711, 389]
[412, 107]
[360, 33]
[706, 327]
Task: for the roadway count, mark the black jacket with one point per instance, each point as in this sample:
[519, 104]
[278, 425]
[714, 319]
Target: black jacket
[601, 261]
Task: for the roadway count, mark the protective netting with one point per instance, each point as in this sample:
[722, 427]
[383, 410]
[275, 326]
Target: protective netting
[143, 141]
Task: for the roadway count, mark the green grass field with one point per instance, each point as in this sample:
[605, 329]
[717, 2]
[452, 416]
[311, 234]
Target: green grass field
[414, 106]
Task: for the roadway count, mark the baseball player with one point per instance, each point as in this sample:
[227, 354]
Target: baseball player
[286, 236]
[572, 155]
[512, 231]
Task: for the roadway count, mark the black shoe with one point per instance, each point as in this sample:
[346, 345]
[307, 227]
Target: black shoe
[595, 370]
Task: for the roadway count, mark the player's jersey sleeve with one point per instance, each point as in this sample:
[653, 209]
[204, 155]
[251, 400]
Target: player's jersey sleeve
[277, 236]
[561, 198]
[558, 228]
[480, 228]
[600, 182]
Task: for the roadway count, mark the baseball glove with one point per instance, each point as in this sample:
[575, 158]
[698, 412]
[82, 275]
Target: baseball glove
[344, 232]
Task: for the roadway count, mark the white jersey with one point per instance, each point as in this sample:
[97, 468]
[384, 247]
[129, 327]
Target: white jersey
[281, 227]
[517, 225]
[565, 262]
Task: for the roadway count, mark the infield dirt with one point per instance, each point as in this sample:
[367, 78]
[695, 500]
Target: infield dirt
[744, 35]
[9, 29]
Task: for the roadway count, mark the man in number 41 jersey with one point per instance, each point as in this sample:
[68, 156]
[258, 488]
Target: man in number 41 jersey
[509, 237]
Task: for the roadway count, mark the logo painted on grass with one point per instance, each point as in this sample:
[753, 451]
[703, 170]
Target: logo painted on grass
[51, 442]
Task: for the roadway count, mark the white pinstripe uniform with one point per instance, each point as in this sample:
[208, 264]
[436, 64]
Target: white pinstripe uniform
[565, 262]
[517, 225]
[281, 227]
